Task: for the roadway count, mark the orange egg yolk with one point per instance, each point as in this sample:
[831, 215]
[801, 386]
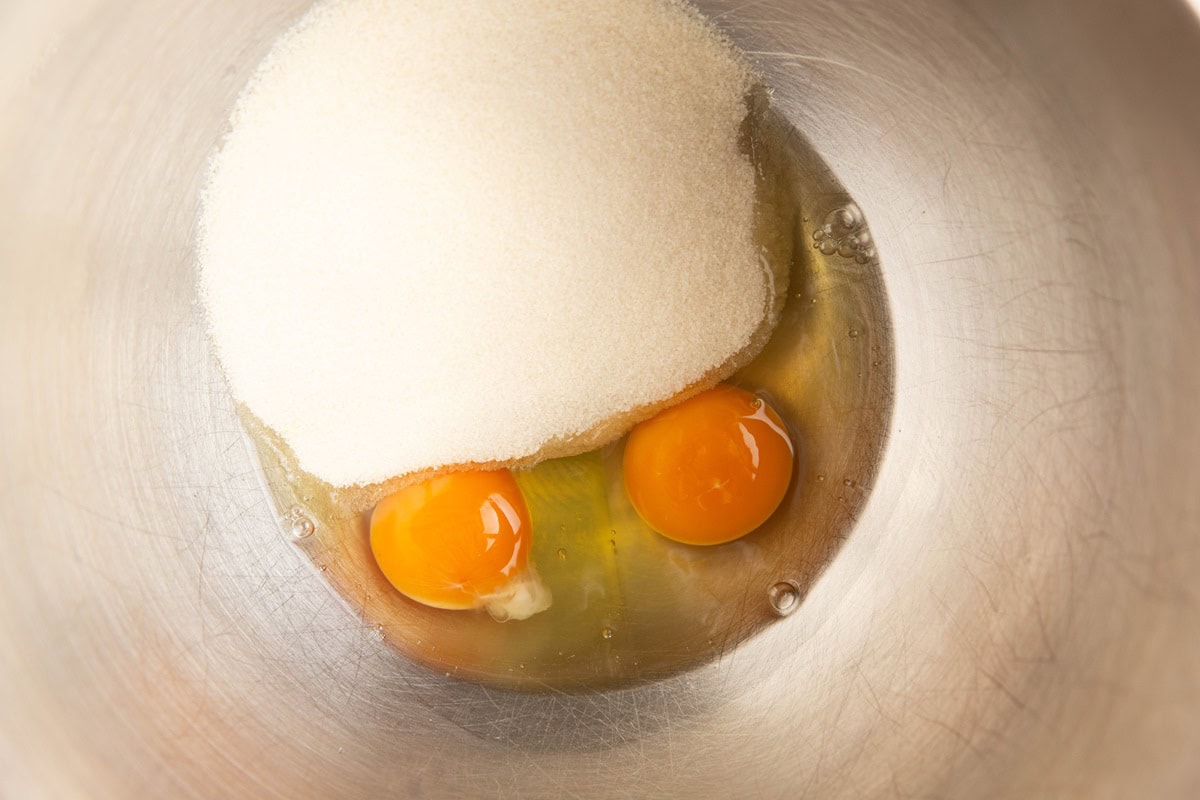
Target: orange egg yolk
[453, 541]
[710, 469]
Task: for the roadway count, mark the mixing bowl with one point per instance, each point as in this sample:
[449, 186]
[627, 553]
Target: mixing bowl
[1014, 616]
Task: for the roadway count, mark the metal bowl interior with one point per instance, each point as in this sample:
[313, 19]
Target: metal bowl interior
[1014, 616]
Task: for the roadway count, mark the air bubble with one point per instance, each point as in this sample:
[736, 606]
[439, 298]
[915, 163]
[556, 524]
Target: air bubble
[303, 528]
[562, 554]
[606, 632]
[845, 232]
[784, 598]
[854, 332]
[848, 482]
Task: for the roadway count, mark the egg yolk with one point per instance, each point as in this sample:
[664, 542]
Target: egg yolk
[455, 541]
[710, 469]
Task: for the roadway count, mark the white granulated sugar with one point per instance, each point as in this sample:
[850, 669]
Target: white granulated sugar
[444, 233]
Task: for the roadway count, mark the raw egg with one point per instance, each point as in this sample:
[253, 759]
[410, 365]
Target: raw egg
[710, 469]
[460, 541]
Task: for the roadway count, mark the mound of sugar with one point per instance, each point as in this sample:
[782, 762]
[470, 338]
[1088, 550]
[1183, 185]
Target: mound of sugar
[442, 234]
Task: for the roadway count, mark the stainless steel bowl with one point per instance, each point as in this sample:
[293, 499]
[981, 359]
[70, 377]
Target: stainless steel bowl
[1016, 615]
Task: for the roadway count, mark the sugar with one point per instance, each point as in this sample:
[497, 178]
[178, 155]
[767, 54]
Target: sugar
[480, 233]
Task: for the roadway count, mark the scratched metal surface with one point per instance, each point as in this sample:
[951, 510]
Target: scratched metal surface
[1015, 617]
